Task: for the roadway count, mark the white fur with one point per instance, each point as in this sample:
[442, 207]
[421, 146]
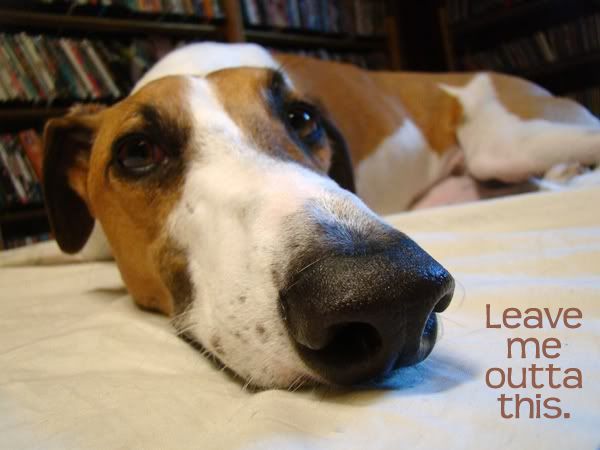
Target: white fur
[498, 144]
[232, 221]
[402, 167]
[206, 57]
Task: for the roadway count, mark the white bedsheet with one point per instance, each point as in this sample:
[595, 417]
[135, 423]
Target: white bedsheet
[82, 368]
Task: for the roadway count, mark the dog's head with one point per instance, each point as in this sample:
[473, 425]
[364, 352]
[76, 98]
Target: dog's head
[227, 203]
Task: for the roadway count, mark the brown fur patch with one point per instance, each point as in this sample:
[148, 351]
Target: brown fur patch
[133, 213]
[370, 106]
[364, 114]
[244, 94]
[173, 267]
[436, 113]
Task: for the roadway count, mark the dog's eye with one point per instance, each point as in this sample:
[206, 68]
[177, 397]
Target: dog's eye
[138, 155]
[305, 123]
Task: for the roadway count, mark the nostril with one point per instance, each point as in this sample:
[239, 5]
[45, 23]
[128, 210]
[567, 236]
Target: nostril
[430, 330]
[443, 303]
[349, 343]
[445, 299]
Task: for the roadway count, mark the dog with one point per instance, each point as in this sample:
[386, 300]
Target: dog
[225, 184]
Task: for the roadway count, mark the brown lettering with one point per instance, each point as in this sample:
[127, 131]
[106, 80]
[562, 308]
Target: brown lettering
[488, 377]
[546, 346]
[578, 378]
[577, 314]
[523, 342]
[510, 314]
[488, 324]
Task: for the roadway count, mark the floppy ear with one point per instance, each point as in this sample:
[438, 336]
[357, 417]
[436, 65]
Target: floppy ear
[67, 147]
[341, 170]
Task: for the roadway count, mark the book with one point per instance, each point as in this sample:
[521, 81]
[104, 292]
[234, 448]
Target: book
[77, 67]
[9, 161]
[101, 69]
[9, 77]
[69, 78]
[203, 8]
[38, 66]
[561, 42]
[7, 189]
[20, 168]
[32, 145]
[26, 87]
[364, 17]
[85, 69]
[251, 12]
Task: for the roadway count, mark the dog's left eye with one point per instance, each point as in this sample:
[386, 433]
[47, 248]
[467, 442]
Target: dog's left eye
[138, 155]
[304, 121]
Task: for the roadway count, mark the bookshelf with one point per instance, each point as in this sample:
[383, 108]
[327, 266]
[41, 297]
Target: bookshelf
[90, 21]
[295, 39]
[65, 23]
[555, 43]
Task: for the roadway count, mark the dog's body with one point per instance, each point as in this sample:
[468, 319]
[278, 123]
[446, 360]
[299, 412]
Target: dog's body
[407, 132]
[223, 185]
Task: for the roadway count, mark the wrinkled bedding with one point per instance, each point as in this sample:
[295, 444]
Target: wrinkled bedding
[82, 368]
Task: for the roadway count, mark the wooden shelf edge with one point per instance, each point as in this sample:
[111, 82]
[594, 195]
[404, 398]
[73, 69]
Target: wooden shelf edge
[477, 23]
[32, 213]
[566, 64]
[30, 114]
[551, 69]
[303, 40]
[96, 24]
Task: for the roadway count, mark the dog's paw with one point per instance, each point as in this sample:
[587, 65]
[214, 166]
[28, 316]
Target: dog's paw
[564, 172]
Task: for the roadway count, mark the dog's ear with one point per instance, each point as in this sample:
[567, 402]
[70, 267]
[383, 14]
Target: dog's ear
[67, 147]
[341, 170]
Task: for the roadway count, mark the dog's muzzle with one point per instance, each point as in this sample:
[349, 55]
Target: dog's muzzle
[356, 314]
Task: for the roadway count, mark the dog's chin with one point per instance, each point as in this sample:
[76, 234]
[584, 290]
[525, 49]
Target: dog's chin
[428, 340]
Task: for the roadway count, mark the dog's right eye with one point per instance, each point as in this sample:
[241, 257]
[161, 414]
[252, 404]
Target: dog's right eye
[138, 155]
[304, 121]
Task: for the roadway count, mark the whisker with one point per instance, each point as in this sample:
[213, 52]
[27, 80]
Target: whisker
[297, 275]
[247, 384]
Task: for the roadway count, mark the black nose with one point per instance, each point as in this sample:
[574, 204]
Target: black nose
[355, 316]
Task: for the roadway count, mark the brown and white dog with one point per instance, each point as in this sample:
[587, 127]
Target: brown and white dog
[224, 186]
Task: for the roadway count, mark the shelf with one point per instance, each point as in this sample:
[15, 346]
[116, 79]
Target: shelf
[560, 77]
[301, 39]
[22, 114]
[501, 17]
[564, 65]
[92, 24]
[35, 212]
[29, 114]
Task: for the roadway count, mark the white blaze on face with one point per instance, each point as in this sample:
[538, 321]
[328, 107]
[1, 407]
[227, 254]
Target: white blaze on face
[231, 222]
[206, 57]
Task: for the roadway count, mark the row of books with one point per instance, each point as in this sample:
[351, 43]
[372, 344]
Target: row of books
[363, 17]
[42, 69]
[461, 10]
[567, 40]
[20, 169]
[590, 98]
[210, 9]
